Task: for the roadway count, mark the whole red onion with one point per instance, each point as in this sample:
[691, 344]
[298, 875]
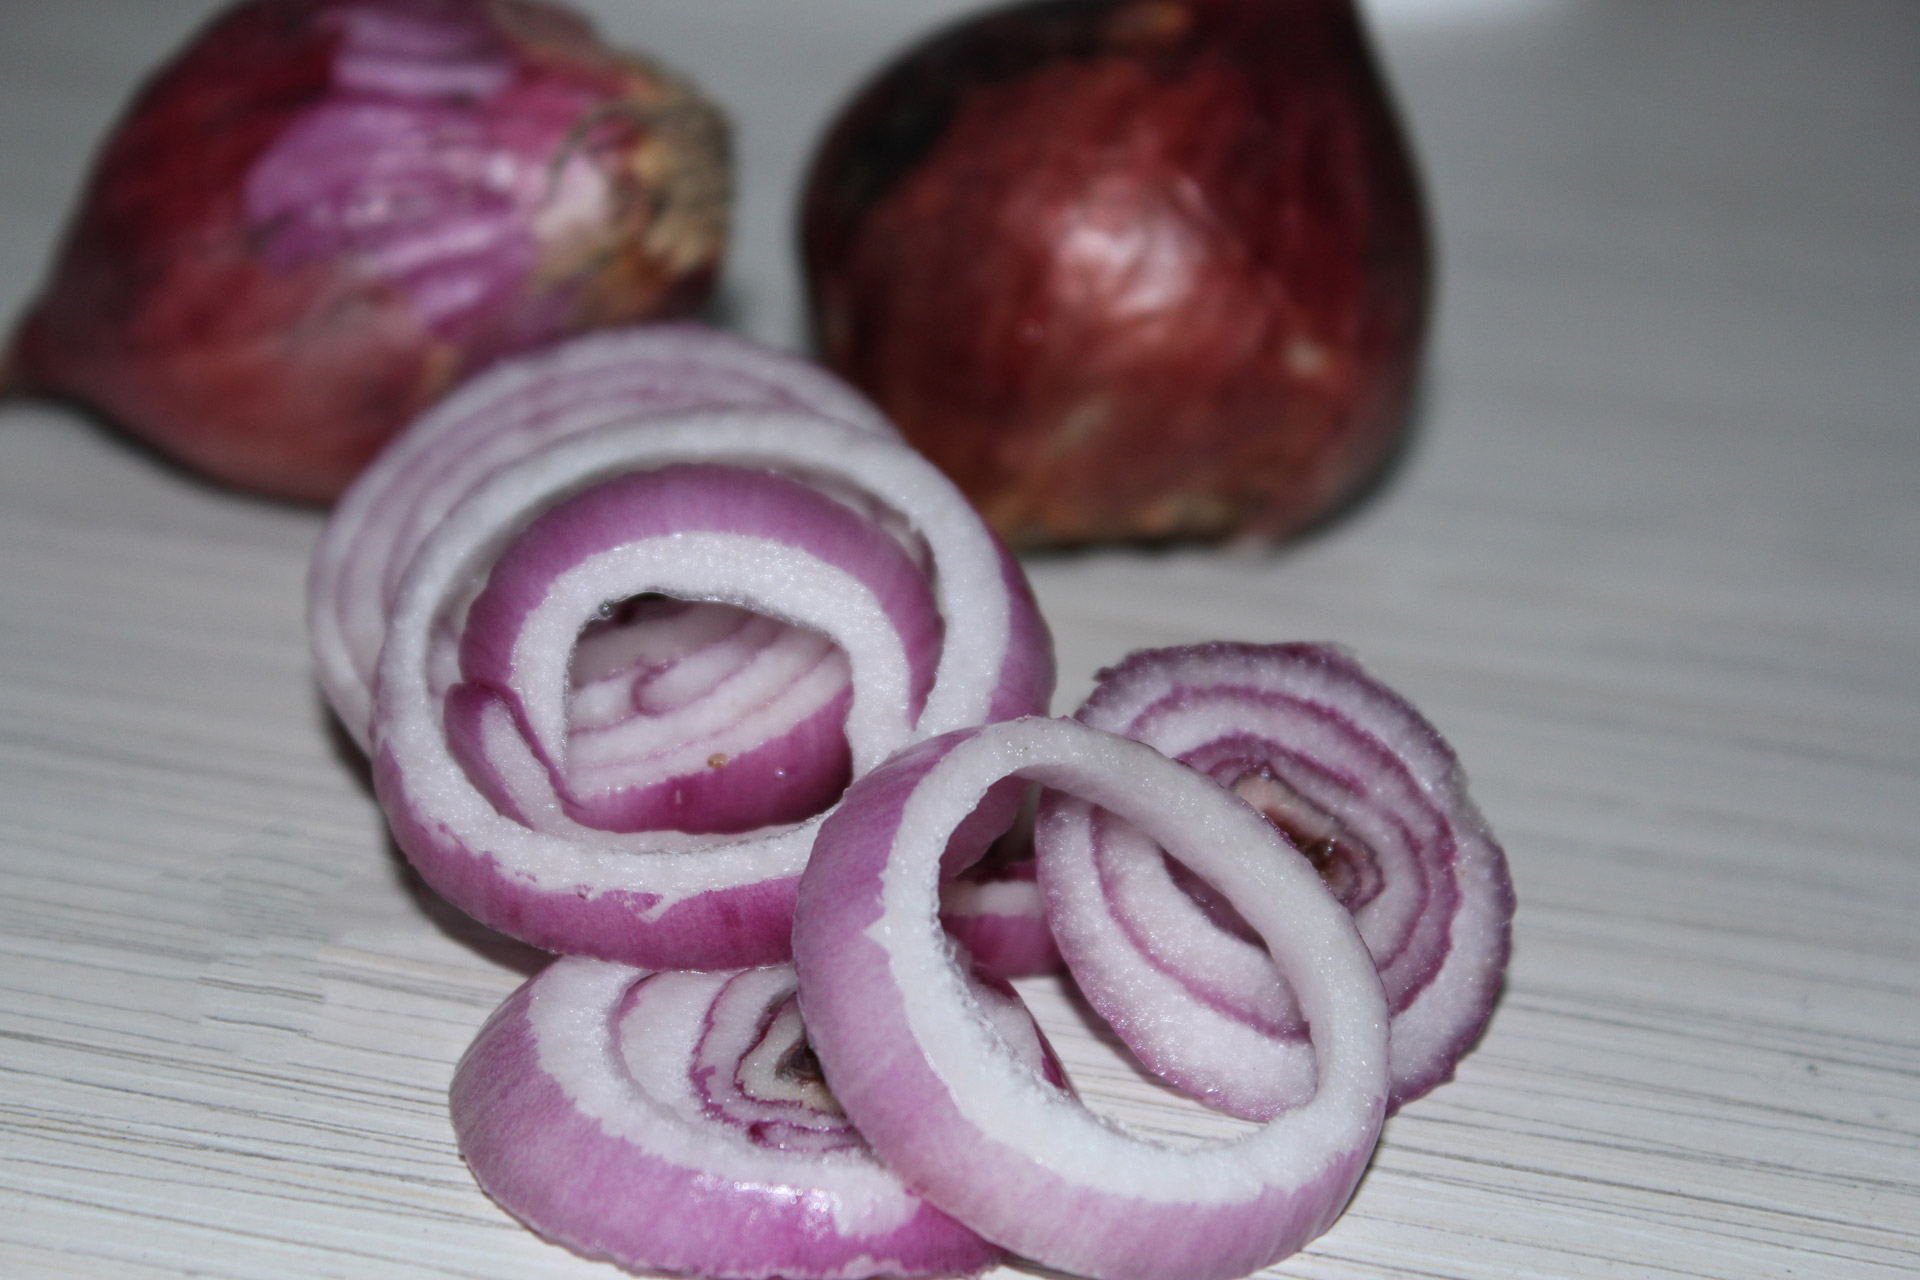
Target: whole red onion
[1129, 269]
[322, 213]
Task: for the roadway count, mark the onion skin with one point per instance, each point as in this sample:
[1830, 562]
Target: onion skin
[323, 213]
[1129, 269]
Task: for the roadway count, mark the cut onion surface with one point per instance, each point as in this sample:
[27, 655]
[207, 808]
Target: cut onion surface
[700, 717]
[945, 1102]
[994, 907]
[704, 529]
[473, 719]
[677, 1121]
[620, 377]
[475, 780]
[1353, 775]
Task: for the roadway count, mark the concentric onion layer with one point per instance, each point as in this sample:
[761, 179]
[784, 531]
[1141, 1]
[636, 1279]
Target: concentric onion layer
[676, 1121]
[474, 782]
[1353, 775]
[936, 1091]
[614, 378]
[473, 725]
[760, 532]
[994, 907]
[702, 717]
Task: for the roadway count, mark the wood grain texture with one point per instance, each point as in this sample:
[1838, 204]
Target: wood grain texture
[1653, 564]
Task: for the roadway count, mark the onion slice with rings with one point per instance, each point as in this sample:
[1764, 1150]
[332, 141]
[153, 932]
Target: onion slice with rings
[1354, 775]
[942, 1099]
[676, 1121]
[699, 716]
[994, 907]
[725, 533]
[517, 407]
[473, 778]
[669, 898]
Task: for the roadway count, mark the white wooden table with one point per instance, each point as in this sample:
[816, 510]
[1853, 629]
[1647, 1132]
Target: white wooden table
[1654, 565]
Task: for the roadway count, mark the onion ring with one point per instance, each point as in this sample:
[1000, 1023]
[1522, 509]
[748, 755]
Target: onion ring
[943, 1101]
[674, 1121]
[689, 901]
[515, 408]
[466, 775]
[1352, 772]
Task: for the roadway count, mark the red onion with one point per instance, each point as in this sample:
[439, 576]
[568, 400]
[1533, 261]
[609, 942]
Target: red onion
[323, 213]
[994, 908]
[1129, 269]
[756, 538]
[1355, 776]
[519, 406]
[669, 898]
[940, 1096]
[645, 749]
[473, 777]
[676, 1121]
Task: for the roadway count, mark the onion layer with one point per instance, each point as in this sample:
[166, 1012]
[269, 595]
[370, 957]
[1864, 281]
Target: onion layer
[473, 780]
[670, 898]
[1352, 774]
[617, 378]
[676, 1121]
[943, 1100]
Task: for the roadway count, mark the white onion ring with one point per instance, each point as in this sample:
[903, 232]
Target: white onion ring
[1304, 733]
[517, 407]
[668, 1121]
[941, 1099]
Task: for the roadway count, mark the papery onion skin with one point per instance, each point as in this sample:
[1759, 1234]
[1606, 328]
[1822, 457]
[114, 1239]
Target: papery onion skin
[323, 213]
[1129, 269]
[1443, 968]
[561, 1136]
[1014, 1159]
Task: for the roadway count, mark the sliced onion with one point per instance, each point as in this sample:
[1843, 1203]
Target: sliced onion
[1350, 772]
[1000, 917]
[676, 1121]
[474, 781]
[696, 716]
[666, 898]
[939, 1095]
[994, 907]
[519, 406]
[725, 532]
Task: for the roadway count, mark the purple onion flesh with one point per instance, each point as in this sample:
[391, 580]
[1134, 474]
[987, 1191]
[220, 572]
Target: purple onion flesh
[1353, 775]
